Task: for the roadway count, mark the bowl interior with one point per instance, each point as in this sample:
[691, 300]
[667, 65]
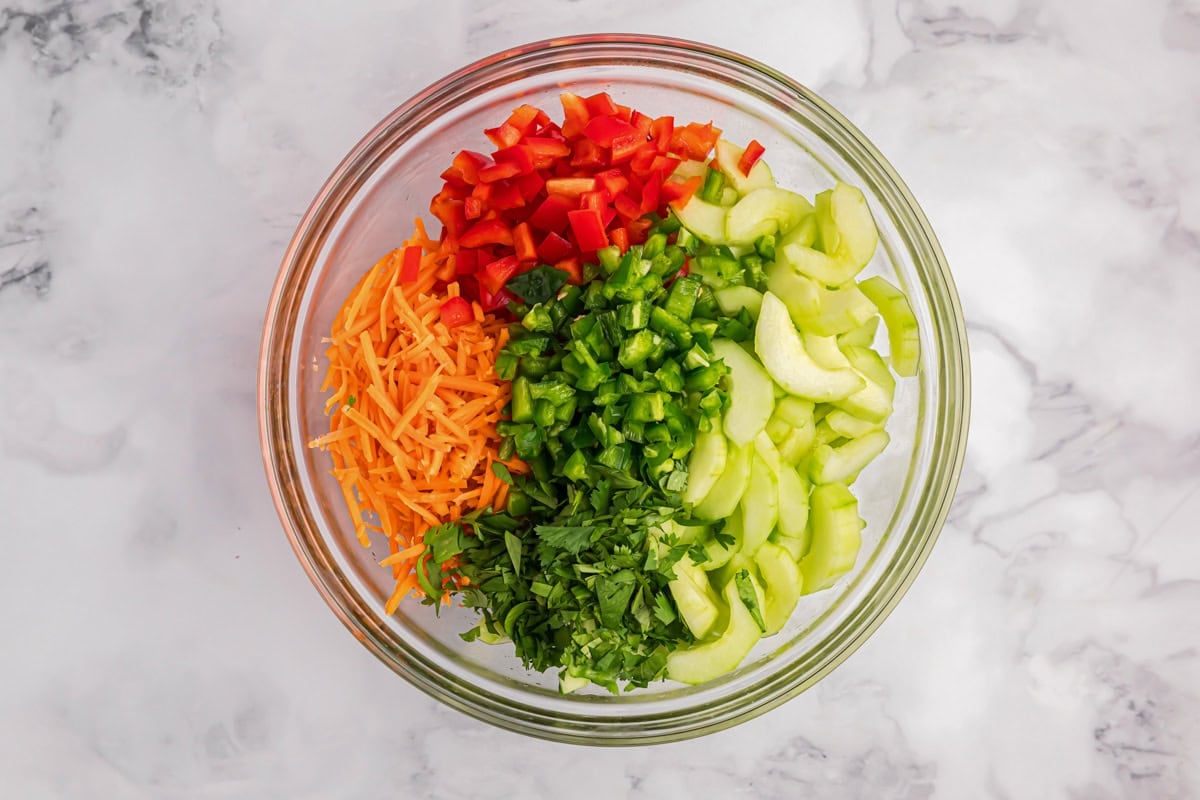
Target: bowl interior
[368, 208]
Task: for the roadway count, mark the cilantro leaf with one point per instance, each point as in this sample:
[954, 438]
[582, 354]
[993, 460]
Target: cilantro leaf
[538, 285]
[446, 541]
[512, 543]
[749, 597]
[663, 610]
[613, 592]
[572, 538]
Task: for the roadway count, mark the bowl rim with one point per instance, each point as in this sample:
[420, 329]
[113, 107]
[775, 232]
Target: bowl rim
[762, 695]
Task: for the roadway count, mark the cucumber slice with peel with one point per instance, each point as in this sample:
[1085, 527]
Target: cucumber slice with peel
[825, 351]
[783, 586]
[836, 537]
[857, 235]
[828, 237]
[728, 156]
[727, 492]
[719, 554]
[779, 346]
[804, 234]
[903, 337]
[705, 464]
[846, 424]
[763, 212]
[760, 505]
[842, 464]
[705, 220]
[814, 307]
[794, 489]
[709, 660]
[863, 335]
[751, 393]
[733, 299]
[694, 597]
[796, 547]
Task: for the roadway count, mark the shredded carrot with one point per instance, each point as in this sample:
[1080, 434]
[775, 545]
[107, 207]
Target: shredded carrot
[413, 409]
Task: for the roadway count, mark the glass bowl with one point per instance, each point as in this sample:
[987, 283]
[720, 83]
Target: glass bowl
[367, 207]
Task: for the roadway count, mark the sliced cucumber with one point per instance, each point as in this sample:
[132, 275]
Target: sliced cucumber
[751, 393]
[690, 168]
[797, 547]
[783, 585]
[815, 308]
[804, 234]
[842, 464]
[729, 197]
[819, 266]
[705, 220]
[685, 534]
[846, 424]
[793, 503]
[764, 448]
[695, 599]
[825, 351]
[797, 445]
[836, 537]
[765, 211]
[719, 554]
[871, 366]
[872, 402]
[703, 662]
[778, 345]
[858, 236]
[863, 335]
[733, 299]
[903, 337]
[760, 506]
[728, 156]
[828, 237]
[727, 492]
[568, 683]
[705, 464]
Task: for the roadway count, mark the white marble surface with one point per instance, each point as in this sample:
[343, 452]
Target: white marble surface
[161, 641]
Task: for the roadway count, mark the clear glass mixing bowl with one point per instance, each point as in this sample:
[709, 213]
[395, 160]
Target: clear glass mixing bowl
[367, 207]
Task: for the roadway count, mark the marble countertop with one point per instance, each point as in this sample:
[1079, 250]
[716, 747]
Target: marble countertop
[163, 643]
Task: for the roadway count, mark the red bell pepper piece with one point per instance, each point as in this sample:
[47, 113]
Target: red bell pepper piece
[587, 225]
[573, 269]
[545, 150]
[639, 230]
[449, 212]
[664, 165]
[554, 248]
[468, 163]
[607, 215]
[410, 267]
[620, 237]
[642, 161]
[660, 131]
[624, 113]
[499, 172]
[525, 117]
[530, 185]
[587, 153]
[517, 154]
[551, 215]
[523, 242]
[612, 181]
[466, 262]
[601, 104]
[750, 156]
[641, 122]
[627, 207]
[575, 114]
[625, 146]
[504, 136]
[456, 311]
[603, 130]
[570, 187]
[678, 194]
[597, 200]
[453, 177]
[695, 140]
[507, 195]
[496, 274]
[492, 301]
[473, 208]
[652, 193]
[486, 231]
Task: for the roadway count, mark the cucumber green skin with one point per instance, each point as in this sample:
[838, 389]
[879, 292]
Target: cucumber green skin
[904, 338]
[728, 156]
[794, 489]
[705, 465]
[796, 546]
[733, 299]
[709, 660]
[857, 235]
[751, 393]
[798, 444]
[815, 308]
[828, 237]
[760, 506]
[705, 220]
[863, 335]
[842, 464]
[694, 598]
[779, 347]
[764, 448]
[727, 492]
[784, 584]
[836, 537]
[846, 424]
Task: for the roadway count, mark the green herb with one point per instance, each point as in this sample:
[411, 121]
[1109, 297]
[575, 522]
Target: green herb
[749, 597]
[501, 472]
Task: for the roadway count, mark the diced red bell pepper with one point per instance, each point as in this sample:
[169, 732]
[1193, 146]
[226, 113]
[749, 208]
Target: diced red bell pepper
[664, 165]
[603, 130]
[575, 114]
[504, 136]
[750, 156]
[660, 131]
[517, 154]
[620, 237]
[453, 177]
[496, 274]
[551, 215]
[410, 266]
[507, 195]
[587, 225]
[642, 161]
[695, 140]
[570, 187]
[641, 122]
[456, 311]
[449, 212]
[466, 262]
[499, 172]
[574, 270]
[612, 181]
[677, 193]
[459, 190]
[601, 104]
[525, 117]
[473, 208]
[639, 229]
[486, 231]
[652, 193]
[544, 150]
[607, 215]
[626, 145]
[627, 207]
[554, 248]
[523, 242]
[493, 301]
[597, 200]
[530, 185]
[586, 153]
[468, 163]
